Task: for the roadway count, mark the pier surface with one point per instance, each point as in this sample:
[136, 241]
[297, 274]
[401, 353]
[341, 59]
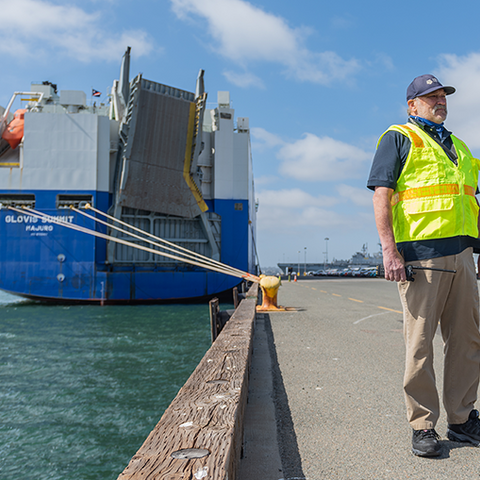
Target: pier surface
[332, 380]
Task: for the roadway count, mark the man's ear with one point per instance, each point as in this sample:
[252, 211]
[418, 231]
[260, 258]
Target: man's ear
[412, 105]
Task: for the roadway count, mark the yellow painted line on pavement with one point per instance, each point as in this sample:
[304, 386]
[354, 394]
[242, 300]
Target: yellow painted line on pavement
[360, 301]
[390, 309]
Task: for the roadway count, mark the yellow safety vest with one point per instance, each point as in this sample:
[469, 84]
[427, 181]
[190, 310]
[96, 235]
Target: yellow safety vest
[434, 198]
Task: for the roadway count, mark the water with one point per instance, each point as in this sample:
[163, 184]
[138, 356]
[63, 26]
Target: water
[81, 387]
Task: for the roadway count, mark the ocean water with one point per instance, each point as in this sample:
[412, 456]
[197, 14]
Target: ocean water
[81, 387]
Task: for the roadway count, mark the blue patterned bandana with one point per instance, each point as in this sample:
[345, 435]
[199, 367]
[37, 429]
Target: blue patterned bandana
[440, 129]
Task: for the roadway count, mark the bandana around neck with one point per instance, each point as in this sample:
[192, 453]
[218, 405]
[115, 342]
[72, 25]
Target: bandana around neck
[437, 126]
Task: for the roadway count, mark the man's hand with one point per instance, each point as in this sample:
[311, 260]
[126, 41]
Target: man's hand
[392, 260]
[394, 266]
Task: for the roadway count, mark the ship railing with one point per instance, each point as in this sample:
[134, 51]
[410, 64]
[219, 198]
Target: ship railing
[36, 97]
[17, 200]
[78, 201]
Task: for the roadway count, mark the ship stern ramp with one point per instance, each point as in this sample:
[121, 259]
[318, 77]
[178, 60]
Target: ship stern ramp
[157, 153]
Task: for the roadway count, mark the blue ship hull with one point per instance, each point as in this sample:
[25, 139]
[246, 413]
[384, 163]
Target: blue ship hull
[46, 261]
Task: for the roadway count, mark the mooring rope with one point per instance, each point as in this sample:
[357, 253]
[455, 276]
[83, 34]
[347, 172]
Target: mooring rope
[201, 260]
[172, 246]
[220, 268]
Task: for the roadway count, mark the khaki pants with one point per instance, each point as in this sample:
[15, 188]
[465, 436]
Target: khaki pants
[452, 300]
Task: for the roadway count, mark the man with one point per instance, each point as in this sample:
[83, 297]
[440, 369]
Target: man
[425, 180]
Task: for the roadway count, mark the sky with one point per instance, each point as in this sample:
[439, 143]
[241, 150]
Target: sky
[319, 81]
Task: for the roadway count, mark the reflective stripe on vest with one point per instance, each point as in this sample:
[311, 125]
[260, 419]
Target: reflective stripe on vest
[431, 191]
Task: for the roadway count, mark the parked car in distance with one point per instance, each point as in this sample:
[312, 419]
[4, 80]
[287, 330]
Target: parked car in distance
[369, 271]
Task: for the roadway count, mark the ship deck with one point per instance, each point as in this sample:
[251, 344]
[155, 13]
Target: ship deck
[326, 397]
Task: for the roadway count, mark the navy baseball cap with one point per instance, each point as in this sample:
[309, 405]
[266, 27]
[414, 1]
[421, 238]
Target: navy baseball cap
[425, 84]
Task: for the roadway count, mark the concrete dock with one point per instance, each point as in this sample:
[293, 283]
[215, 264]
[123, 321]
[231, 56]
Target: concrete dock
[326, 397]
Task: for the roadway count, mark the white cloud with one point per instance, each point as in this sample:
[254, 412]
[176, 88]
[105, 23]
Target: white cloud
[244, 33]
[265, 139]
[266, 180]
[243, 80]
[294, 198]
[292, 210]
[300, 218]
[29, 27]
[382, 59]
[284, 210]
[323, 68]
[27, 16]
[463, 72]
[358, 196]
[322, 159]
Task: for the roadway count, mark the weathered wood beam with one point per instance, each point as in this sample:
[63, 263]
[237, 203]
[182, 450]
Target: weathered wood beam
[200, 434]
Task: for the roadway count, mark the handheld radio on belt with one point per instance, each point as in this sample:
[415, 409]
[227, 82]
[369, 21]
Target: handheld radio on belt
[410, 273]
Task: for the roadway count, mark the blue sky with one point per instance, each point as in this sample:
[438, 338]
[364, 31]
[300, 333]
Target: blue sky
[320, 82]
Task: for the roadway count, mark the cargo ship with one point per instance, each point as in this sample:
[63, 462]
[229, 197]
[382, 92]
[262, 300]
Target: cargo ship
[153, 157]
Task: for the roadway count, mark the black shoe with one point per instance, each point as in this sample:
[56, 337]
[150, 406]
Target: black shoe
[425, 443]
[466, 432]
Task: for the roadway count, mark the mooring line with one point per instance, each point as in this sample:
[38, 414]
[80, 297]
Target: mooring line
[193, 255]
[225, 269]
[148, 234]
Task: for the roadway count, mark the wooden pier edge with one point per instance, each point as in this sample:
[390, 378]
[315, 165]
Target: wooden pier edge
[203, 426]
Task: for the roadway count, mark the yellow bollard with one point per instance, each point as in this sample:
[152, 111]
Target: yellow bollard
[269, 286]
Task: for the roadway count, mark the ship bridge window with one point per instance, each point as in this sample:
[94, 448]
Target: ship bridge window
[76, 201]
[17, 200]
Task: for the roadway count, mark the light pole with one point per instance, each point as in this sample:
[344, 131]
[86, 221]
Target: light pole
[298, 271]
[326, 251]
[305, 262]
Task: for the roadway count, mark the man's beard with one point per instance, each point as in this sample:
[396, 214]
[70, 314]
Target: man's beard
[436, 108]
